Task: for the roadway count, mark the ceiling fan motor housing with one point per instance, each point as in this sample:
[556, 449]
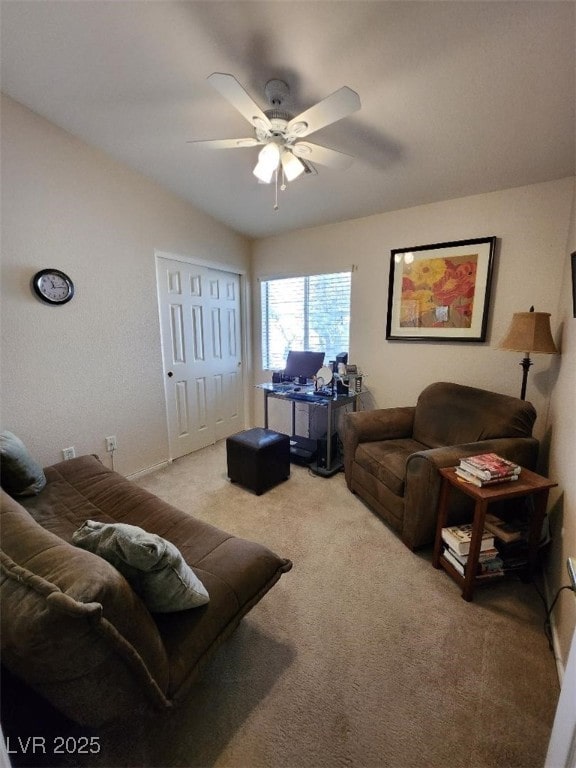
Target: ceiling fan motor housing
[278, 115]
[276, 92]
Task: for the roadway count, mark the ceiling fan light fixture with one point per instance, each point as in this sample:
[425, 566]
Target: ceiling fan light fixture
[263, 173]
[269, 155]
[268, 160]
[291, 166]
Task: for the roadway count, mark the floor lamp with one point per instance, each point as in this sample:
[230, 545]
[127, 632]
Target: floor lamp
[529, 332]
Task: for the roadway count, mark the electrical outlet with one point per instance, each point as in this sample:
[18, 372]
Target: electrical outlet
[111, 443]
[69, 453]
[571, 564]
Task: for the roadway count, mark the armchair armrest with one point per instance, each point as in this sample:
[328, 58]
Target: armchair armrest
[423, 481]
[380, 424]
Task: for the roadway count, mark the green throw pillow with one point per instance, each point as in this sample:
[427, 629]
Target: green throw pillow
[20, 475]
[154, 567]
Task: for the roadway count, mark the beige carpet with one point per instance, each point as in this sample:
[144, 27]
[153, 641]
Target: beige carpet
[362, 655]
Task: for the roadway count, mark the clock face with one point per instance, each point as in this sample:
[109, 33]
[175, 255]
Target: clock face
[53, 286]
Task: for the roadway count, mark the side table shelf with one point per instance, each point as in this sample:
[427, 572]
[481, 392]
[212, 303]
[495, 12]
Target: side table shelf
[528, 484]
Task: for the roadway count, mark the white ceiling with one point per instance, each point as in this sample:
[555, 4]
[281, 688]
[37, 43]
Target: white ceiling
[458, 98]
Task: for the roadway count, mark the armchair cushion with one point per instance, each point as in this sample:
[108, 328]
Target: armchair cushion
[386, 460]
[451, 414]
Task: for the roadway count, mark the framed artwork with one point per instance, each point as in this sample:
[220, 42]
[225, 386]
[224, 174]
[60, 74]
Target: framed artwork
[440, 292]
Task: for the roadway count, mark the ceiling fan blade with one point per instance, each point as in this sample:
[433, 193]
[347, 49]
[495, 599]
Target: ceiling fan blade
[227, 143]
[230, 88]
[340, 104]
[322, 155]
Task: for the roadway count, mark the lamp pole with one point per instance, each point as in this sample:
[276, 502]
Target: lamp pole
[525, 363]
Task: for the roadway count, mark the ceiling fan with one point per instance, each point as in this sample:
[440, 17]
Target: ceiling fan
[279, 133]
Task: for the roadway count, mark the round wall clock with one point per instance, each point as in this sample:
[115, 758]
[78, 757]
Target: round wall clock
[53, 286]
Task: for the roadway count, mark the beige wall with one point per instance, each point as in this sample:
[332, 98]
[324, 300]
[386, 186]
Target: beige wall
[73, 374]
[562, 438]
[533, 227]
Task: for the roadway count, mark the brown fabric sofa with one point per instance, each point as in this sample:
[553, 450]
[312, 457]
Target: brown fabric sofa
[391, 455]
[72, 627]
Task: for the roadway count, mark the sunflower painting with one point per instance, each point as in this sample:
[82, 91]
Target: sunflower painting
[440, 291]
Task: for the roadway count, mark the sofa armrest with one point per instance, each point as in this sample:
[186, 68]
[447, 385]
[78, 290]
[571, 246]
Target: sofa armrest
[368, 426]
[72, 628]
[423, 480]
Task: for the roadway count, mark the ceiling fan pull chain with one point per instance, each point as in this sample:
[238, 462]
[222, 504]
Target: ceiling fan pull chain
[276, 189]
[283, 185]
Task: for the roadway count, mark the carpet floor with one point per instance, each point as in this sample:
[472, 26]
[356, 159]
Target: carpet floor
[362, 656]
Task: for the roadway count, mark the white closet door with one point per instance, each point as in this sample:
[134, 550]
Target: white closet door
[201, 347]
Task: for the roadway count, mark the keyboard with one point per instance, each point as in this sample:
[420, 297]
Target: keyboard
[310, 397]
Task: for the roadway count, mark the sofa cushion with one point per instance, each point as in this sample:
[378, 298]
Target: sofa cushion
[153, 566]
[20, 474]
[386, 460]
[453, 414]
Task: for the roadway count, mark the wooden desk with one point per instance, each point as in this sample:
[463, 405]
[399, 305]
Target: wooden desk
[307, 395]
[528, 484]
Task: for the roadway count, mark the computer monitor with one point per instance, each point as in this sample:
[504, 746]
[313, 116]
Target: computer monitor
[303, 365]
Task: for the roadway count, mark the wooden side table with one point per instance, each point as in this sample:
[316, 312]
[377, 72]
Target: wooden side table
[528, 484]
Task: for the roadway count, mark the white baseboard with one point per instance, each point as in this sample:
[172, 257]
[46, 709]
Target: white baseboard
[560, 669]
[148, 470]
[557, 658]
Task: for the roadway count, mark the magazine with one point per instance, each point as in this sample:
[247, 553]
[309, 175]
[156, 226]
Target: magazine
[488, 466]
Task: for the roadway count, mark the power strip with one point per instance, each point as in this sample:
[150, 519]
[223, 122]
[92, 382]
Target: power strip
[571, 565]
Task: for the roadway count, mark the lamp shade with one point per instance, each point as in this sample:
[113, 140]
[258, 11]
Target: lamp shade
[291, 165]
[268, 160]
[530, 332]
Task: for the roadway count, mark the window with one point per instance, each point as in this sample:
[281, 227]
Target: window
[308, 313]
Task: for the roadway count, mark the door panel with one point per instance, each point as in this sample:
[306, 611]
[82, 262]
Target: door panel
[200, 327]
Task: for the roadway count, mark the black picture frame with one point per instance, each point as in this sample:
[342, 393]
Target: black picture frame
[441, 292]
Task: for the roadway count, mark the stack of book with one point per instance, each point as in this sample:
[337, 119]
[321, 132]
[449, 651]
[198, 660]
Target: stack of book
[457, 539]
[507, 531]
[487, 469]
[510, 538]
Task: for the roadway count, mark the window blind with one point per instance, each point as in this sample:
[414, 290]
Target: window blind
[305, 313]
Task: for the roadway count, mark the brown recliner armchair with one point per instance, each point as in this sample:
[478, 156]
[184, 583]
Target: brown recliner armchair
[392, 455]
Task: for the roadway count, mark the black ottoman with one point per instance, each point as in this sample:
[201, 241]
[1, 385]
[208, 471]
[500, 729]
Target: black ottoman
[258, 458]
